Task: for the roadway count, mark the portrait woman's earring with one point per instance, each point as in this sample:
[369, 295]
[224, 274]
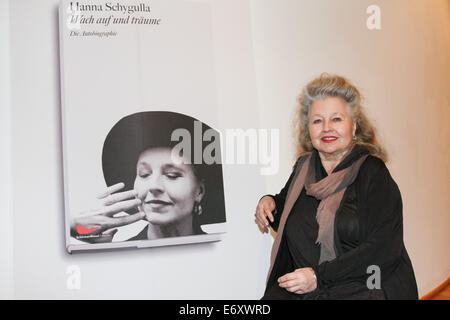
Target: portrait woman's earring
[198, 209]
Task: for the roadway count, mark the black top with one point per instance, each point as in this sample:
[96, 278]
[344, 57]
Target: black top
[368, 231]
[302, 241]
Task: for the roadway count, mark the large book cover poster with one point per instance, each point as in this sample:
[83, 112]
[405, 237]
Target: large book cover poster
[142, 157]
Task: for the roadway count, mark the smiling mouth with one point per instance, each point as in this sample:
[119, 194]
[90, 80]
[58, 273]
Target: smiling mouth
[158, 202]
[328, 139]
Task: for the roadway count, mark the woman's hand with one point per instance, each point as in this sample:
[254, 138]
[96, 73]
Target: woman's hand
[300, 281]
[98, 226]
[264, 211]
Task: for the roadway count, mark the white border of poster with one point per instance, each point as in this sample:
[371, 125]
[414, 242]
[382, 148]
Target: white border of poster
[117, 61]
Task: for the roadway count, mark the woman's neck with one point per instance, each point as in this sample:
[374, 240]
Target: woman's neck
[180, 228]
[330, 161]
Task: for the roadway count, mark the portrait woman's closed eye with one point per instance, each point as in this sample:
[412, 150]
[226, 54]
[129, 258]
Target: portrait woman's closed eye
[148, 181]
[170, 194]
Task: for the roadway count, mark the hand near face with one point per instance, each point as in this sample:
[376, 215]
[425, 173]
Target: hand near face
[102, 221]
[300, 281]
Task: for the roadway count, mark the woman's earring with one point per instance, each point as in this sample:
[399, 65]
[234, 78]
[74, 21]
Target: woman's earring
[198, 209]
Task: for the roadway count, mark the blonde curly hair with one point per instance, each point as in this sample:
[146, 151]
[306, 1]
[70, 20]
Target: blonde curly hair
[325, 86]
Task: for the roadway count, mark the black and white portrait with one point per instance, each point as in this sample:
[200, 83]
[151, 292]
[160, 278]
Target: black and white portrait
[158, 168]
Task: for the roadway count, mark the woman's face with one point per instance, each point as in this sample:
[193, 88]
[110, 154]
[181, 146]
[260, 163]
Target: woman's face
[331, 127]
[168, 189]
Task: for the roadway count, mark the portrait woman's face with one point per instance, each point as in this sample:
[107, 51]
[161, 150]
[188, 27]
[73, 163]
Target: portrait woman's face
[331, 127]
[168, 189]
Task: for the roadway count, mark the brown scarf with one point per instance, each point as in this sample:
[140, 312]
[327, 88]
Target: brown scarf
[330, 191]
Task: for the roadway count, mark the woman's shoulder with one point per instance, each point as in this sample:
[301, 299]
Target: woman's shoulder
[301, 160]
[375, 172]
[373, 164]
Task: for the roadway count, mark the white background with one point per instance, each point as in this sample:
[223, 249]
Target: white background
[264, 52]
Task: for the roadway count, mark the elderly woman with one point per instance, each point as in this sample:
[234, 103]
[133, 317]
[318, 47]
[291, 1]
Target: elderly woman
[148, 181]
[339, 217]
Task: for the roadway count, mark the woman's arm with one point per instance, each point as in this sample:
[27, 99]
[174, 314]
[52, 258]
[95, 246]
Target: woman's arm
[280, 199]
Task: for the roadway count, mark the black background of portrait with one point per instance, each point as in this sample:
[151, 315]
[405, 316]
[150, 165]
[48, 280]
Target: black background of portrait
[139, 131]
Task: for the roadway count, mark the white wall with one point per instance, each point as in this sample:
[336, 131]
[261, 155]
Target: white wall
[6, 265]
[260, 67]
[402, 71]
[233, 268]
